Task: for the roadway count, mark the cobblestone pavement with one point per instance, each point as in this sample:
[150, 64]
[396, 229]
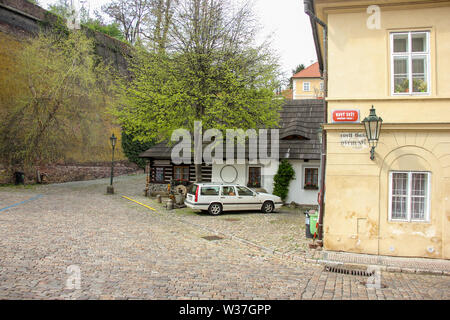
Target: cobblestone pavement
[126, 251]
[282, 231]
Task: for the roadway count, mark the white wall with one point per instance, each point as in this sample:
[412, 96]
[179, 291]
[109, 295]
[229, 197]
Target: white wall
[296, 191]
[241, 173]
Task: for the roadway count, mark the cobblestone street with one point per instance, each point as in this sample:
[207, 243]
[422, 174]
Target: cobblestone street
[126, 251]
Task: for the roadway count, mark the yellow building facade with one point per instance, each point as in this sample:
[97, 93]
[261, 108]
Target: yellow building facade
[308, 83]
[307, 88]
[393, 55]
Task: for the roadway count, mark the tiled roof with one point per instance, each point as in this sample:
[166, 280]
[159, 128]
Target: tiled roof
[311, 72]
[299, 122]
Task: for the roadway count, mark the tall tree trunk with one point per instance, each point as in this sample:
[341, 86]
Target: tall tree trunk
[198, 150]
[198, 173]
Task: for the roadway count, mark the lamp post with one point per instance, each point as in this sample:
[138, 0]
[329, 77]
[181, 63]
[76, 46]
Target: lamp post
[113, 140]
[372, 125]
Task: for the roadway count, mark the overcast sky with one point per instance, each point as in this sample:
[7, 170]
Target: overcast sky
[285, 19]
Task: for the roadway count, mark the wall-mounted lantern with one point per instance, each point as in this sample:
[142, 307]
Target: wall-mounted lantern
[320, 134]
[372, 125]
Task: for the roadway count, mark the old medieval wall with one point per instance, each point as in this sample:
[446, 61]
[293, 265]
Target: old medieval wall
[19, 20]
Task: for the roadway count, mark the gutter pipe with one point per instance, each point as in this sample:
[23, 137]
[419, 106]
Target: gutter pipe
[309, 10]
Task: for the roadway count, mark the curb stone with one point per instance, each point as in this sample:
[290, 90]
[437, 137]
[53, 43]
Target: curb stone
[408, 270]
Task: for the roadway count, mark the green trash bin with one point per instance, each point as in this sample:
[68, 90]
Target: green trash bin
[313, 218]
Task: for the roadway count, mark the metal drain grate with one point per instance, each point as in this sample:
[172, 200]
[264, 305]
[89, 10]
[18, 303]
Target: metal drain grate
[348, 270]
[212, 238]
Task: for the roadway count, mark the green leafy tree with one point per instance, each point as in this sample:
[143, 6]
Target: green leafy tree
[62, 104]
[133, 148]
[282, 179]
[111, 29]
[143, 20]
[297, 69]
[63, 9]
[213, 73]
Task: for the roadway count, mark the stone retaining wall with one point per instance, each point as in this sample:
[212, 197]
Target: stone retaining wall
[58, 173]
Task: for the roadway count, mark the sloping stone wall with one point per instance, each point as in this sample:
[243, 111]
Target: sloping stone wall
[24, 19]
[19, 20]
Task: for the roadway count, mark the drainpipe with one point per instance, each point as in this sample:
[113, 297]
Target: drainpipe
[309, 10]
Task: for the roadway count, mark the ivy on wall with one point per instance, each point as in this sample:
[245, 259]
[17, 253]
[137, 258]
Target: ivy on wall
[282, 179]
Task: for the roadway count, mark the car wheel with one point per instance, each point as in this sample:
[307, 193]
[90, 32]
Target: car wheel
[215, 209]
[267, 207]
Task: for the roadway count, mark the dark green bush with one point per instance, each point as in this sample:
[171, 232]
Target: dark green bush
[132, 149]
[282, 179]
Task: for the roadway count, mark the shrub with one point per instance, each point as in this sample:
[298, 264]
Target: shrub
[282, 179]
[132, 148]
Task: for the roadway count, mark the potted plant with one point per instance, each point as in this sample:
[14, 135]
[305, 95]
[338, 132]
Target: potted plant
[254, 184]
[310, 186]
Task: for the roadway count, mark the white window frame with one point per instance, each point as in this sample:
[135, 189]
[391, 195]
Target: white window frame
[321, 86]
[408, 203]
[409, 56]
[306, 84]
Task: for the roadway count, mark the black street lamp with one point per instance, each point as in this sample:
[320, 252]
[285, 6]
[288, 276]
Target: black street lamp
[110, 188]
[372, 125]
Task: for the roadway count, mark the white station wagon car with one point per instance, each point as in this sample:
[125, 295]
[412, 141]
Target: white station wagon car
[218, 197]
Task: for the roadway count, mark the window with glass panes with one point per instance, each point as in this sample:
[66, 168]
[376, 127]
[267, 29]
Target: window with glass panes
[158, 174]
[181, 173]
[311, 178]
[409, 196]
[306, 86]
[254, 177]
[410, 64]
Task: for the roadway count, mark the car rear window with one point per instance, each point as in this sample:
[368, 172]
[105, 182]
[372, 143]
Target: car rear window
[192, 188]
[209, 191]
